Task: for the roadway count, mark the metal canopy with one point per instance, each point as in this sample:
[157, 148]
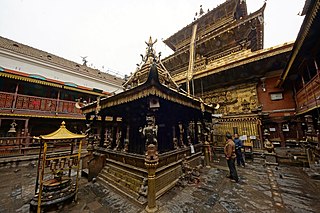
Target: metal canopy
[62, 133]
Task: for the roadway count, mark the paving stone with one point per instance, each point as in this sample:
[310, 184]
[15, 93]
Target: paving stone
[94, 205]
[260, 190]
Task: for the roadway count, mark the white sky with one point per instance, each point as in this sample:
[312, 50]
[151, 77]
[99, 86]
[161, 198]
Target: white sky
[113, 33]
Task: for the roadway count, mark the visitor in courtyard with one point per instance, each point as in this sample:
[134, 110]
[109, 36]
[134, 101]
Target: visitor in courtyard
[229, 151]
[239, 147]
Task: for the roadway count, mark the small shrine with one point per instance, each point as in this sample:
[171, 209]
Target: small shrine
[55, 183]
[147, 132]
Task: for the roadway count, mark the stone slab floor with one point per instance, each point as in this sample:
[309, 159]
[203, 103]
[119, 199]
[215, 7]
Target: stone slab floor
[261, 189]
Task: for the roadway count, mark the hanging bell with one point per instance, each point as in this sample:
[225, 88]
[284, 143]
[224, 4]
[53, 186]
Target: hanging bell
[13, 127]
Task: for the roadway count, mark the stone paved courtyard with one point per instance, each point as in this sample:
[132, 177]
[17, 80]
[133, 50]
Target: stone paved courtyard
[261, 189]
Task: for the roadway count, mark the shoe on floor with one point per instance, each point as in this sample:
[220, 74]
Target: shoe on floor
[234, 181]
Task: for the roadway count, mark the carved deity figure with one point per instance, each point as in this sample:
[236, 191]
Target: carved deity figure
[150, 132]
[143, 191]
[151, 153]
[126, 145]
[108, 139]
[118, 137]
[181, 130]
[175, 143]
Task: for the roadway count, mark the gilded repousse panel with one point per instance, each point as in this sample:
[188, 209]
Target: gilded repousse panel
[239, 99]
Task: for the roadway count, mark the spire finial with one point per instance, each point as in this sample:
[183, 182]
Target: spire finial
[63, 124]
[150, 43]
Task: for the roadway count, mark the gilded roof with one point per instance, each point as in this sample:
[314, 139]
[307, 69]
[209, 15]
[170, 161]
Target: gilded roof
[62, 133]
[214, 19]
[236, 59]
[49, 58]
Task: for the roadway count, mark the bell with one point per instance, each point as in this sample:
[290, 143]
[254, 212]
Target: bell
[12, 130]
[13, 127]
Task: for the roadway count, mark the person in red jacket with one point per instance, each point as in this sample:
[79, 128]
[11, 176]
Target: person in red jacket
[230, 153]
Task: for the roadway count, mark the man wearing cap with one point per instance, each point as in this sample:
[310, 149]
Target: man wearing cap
[229, 151]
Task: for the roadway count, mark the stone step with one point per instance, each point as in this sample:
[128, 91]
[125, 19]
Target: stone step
[130, 194]
[127, 182]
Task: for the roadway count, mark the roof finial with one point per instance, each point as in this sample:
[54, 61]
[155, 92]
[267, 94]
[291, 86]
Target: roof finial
[198, 15]
[150, 43]
[63, 124]
[201, 11]
[150, 52]
[84, 60]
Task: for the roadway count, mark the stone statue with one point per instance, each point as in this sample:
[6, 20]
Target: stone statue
[268, 145]
[143, 191]
[190, 175]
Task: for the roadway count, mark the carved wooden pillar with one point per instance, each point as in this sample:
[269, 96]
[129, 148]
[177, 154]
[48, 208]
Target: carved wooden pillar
[103, 130]
[57, 102]
[282, 141]
[126, 140]
[174, 138]
[206, 147]
[15, 98]
[151, 162]
[26, 131]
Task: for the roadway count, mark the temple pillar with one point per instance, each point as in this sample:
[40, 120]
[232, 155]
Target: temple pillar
[282, 140]
[103, 131]
[206, 147]
[174, 138]
[126, 140]
[151, 162]
[15, 98]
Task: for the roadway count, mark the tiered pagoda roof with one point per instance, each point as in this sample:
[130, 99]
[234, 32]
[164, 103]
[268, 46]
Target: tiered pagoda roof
[224, 30]
[141, 74]
[151, 79]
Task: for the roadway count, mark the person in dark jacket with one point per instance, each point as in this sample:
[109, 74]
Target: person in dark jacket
[239, 146]
[229, 151]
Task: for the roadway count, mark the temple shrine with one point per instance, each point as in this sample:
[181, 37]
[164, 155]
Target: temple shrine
[155, 125]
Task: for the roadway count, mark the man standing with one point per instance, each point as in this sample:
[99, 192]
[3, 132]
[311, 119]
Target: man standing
[239, 146]
[229, 151]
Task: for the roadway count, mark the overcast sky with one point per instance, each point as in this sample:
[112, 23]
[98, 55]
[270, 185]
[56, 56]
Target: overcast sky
[113, 33]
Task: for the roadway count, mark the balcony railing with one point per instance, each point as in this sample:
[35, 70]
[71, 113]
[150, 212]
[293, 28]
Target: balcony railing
[14, 145]
[309, 96]
[27, 145]
[25, 102]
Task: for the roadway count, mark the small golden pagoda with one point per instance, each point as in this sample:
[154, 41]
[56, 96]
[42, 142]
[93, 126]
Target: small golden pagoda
[54, 183]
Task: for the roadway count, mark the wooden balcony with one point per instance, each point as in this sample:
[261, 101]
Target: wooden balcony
[13, 146]
[308, 97]
[39, 105]
[27, 145]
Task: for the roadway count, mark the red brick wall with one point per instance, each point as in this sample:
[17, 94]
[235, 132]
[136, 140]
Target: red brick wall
[268, 105]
